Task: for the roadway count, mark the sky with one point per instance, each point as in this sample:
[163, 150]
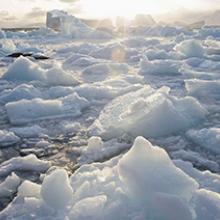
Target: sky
[14, 13]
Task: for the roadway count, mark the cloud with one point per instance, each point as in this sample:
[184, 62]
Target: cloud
[36, 13]
[5, 16]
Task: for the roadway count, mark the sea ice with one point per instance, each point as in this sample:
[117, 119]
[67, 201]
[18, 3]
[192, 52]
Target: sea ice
[147, 112]
[159, 67]
[56, 190]
[209, 138]
[28, 163]
[8, 138]
[25, 111]
[142, 184]
[24, 69]
[191, 48]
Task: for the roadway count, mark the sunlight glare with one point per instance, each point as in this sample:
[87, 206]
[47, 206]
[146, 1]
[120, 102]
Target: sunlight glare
[127, 9]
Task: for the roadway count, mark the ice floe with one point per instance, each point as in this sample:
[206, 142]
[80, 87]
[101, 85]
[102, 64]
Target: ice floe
[147, 112]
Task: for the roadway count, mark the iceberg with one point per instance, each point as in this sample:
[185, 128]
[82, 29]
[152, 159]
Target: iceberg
[147, 112]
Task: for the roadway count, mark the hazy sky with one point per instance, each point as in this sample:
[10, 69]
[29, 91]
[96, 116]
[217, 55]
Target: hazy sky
[23, 12]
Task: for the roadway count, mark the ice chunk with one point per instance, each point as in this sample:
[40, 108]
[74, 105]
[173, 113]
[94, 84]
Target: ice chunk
[8, 138]
[89, 208]
[70, 25]
[97, 150]
[24, 69]
[191, 48]
[23, 91]
[29, 189]
[25, 111]
[206, 179]
[154, 162]
[61, 21]
[2, 34]
[142, 184]
[207, 205]
[56, 76]
[56, 190]
[9, 186]
[28, 163]
[7, 46]
[203, 89]
[160, 67]
[208, 138]
[29, 131]
[60, 91]
[148, 113]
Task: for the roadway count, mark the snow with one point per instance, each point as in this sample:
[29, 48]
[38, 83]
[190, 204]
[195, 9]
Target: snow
[143, 183]
[7, 46]
[83, 134]
[28, 163]
[56, 190]
[25, 111]
[208, 138]
[97, 150]
[191, 48]
[23, 91]
[56, 76]
[29, 131]
[151, 160]
[9, 186]
[24, 69]
[203, 89]
[8, 138]
[147, 112]
[29, 189]
[70, 25]
[159, 67]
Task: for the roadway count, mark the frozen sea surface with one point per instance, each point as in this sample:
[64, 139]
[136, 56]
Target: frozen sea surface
[111, 126]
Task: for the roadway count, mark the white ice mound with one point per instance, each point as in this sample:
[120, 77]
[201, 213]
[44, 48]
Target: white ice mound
[208, 138]
[135, 187]
[24, 69]
[203, 89]
[147, 112]
[25, 111]
[29, 189]
[142, 184]
[8, 138]
[23, 91]
[56, 190]
[7, 46]
[57, 19]
[191, 48]
[153, 172]
[159, 67]
[9, 186]
[29, 131]
[70, 25]
[28, 163]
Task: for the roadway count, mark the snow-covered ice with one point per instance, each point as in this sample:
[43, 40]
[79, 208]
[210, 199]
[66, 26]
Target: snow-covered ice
[8, 138]
[119, 121]
[144, 183]
[147, 112]
[25, 111]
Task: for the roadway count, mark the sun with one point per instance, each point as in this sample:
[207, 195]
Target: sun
[124, 8]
